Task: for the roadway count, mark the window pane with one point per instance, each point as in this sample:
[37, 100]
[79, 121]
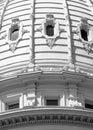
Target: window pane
[50, 30]
[13, 106]
[14, 35]
[14, 32]
[84, 35]
[52, 102]
[89, 104]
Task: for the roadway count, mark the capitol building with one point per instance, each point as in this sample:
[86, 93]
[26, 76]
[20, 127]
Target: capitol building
[46, 64]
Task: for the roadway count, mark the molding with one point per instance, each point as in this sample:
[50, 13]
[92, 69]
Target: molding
[47, 116]
[25, 79]
[47, 69]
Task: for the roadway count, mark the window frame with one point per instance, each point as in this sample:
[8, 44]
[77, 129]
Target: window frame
[90, 102]
[9, 99]
[54, 23]
[11, 103]
[13, 44]
[10, 32]
[52, 98]
[83, 26]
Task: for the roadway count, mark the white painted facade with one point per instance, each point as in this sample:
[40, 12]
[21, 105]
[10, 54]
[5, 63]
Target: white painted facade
[36, 67]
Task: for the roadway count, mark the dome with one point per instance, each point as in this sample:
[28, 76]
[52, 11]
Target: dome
[46, 64]
[68, 44]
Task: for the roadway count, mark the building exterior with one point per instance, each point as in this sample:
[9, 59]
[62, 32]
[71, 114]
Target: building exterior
[46, 64]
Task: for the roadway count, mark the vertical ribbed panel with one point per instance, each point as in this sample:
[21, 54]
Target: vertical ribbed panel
[59, 52]
[79, 9]
[12, 62]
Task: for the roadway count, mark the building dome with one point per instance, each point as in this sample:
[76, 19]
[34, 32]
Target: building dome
[46, 34]
[46, 64]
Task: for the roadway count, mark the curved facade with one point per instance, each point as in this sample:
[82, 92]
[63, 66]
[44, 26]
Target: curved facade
[46, 64]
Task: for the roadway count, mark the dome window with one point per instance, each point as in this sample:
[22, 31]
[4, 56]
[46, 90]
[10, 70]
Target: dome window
[84, 30]
[84, 34]
[49, 25]
[14, 29]
[50, 29]
[14, 32]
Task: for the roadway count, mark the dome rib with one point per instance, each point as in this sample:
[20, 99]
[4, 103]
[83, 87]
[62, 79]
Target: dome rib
[68, 28]
[2, 12]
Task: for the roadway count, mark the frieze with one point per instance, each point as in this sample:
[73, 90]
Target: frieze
[84, 121]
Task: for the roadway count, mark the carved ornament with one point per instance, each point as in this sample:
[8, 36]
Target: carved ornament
[50, 20]
[13, 43]
[87, 44]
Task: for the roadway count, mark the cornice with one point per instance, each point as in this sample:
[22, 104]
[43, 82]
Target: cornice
[47, 116]
[39, 77]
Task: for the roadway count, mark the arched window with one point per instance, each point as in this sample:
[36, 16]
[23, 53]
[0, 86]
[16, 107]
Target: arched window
[84, 34]
[14, 32]
[50, 30]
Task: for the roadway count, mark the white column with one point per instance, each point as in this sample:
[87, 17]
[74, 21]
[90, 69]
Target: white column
[25, 100]
[39, 99]
[21, 101]
[3, 106]
[29, 96]
[62, 100]
[0, 106]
